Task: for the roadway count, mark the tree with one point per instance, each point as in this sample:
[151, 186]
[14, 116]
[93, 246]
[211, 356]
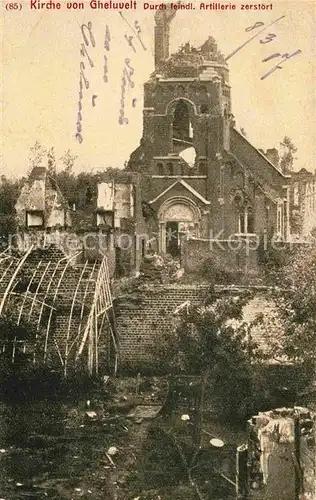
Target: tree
[296, 301]
[51, 162]
[213, 341]
[68, 160]
[288, 157]
[37, 155]
[9, 190]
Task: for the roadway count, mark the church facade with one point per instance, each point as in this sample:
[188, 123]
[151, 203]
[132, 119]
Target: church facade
[195, 187]
[201, 178]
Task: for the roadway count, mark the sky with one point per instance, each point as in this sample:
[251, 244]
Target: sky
[41, 72]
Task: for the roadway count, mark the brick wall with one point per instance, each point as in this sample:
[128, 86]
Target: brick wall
[146, 315]
[142, 323]
[234, 257]
[255, 162]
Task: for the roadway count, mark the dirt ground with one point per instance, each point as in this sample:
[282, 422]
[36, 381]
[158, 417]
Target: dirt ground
[119, 443]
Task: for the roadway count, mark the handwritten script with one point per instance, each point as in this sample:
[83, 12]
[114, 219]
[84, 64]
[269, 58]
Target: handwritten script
[128, 71]
[87, 47]
[267, 39]
[133, 39]
[88, 38]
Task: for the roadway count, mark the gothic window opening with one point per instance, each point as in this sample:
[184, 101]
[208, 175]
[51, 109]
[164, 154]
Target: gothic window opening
[105, 219]
[181, 126]
[142, 247]
[296, 195]
[203, 168]
[221, 182]
[279, 221]
[240, 180]
[170, 169]
[246, 221]
[160, 168]
[132, 200]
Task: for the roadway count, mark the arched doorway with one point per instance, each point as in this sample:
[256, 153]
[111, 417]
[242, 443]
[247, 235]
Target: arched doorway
[178, 217]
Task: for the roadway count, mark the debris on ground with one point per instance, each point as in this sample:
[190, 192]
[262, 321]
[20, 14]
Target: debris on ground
[116, 447]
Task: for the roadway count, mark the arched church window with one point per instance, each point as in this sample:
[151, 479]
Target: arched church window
[203, 168]
[246, 221]
[160, 168]
[241, 222]
[170, 169]
[251, 225]
[221, 181]
[181, 125]
[240, 180]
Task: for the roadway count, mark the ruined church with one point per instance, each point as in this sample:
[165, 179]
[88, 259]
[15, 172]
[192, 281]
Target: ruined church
[195, 187]
[200, 177]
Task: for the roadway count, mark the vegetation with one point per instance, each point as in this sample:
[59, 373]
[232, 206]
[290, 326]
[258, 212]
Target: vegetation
[9, 190]
[79, 189]
[296, 303]
[288, 157]
[21, 378]
[213, 342]
[272, 256]
[293, 273]
[212, 270]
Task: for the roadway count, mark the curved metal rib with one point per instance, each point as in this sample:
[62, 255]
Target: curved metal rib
[19, 266]
[67, 350]
[53, 303]
[36, 291]
[27, 291]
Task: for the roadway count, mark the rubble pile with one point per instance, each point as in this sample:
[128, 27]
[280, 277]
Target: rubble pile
[156, 268]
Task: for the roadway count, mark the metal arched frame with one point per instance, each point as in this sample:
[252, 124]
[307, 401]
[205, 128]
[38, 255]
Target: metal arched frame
[176, 200]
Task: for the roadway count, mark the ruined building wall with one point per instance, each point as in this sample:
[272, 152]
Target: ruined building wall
[237, 256]
[144, 318]
[281, 455]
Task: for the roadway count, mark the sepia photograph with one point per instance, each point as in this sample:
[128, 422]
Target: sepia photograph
[157, 250]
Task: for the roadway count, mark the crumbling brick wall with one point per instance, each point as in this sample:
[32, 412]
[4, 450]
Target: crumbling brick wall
[281, 455]
[230, 257]
[143, 318]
